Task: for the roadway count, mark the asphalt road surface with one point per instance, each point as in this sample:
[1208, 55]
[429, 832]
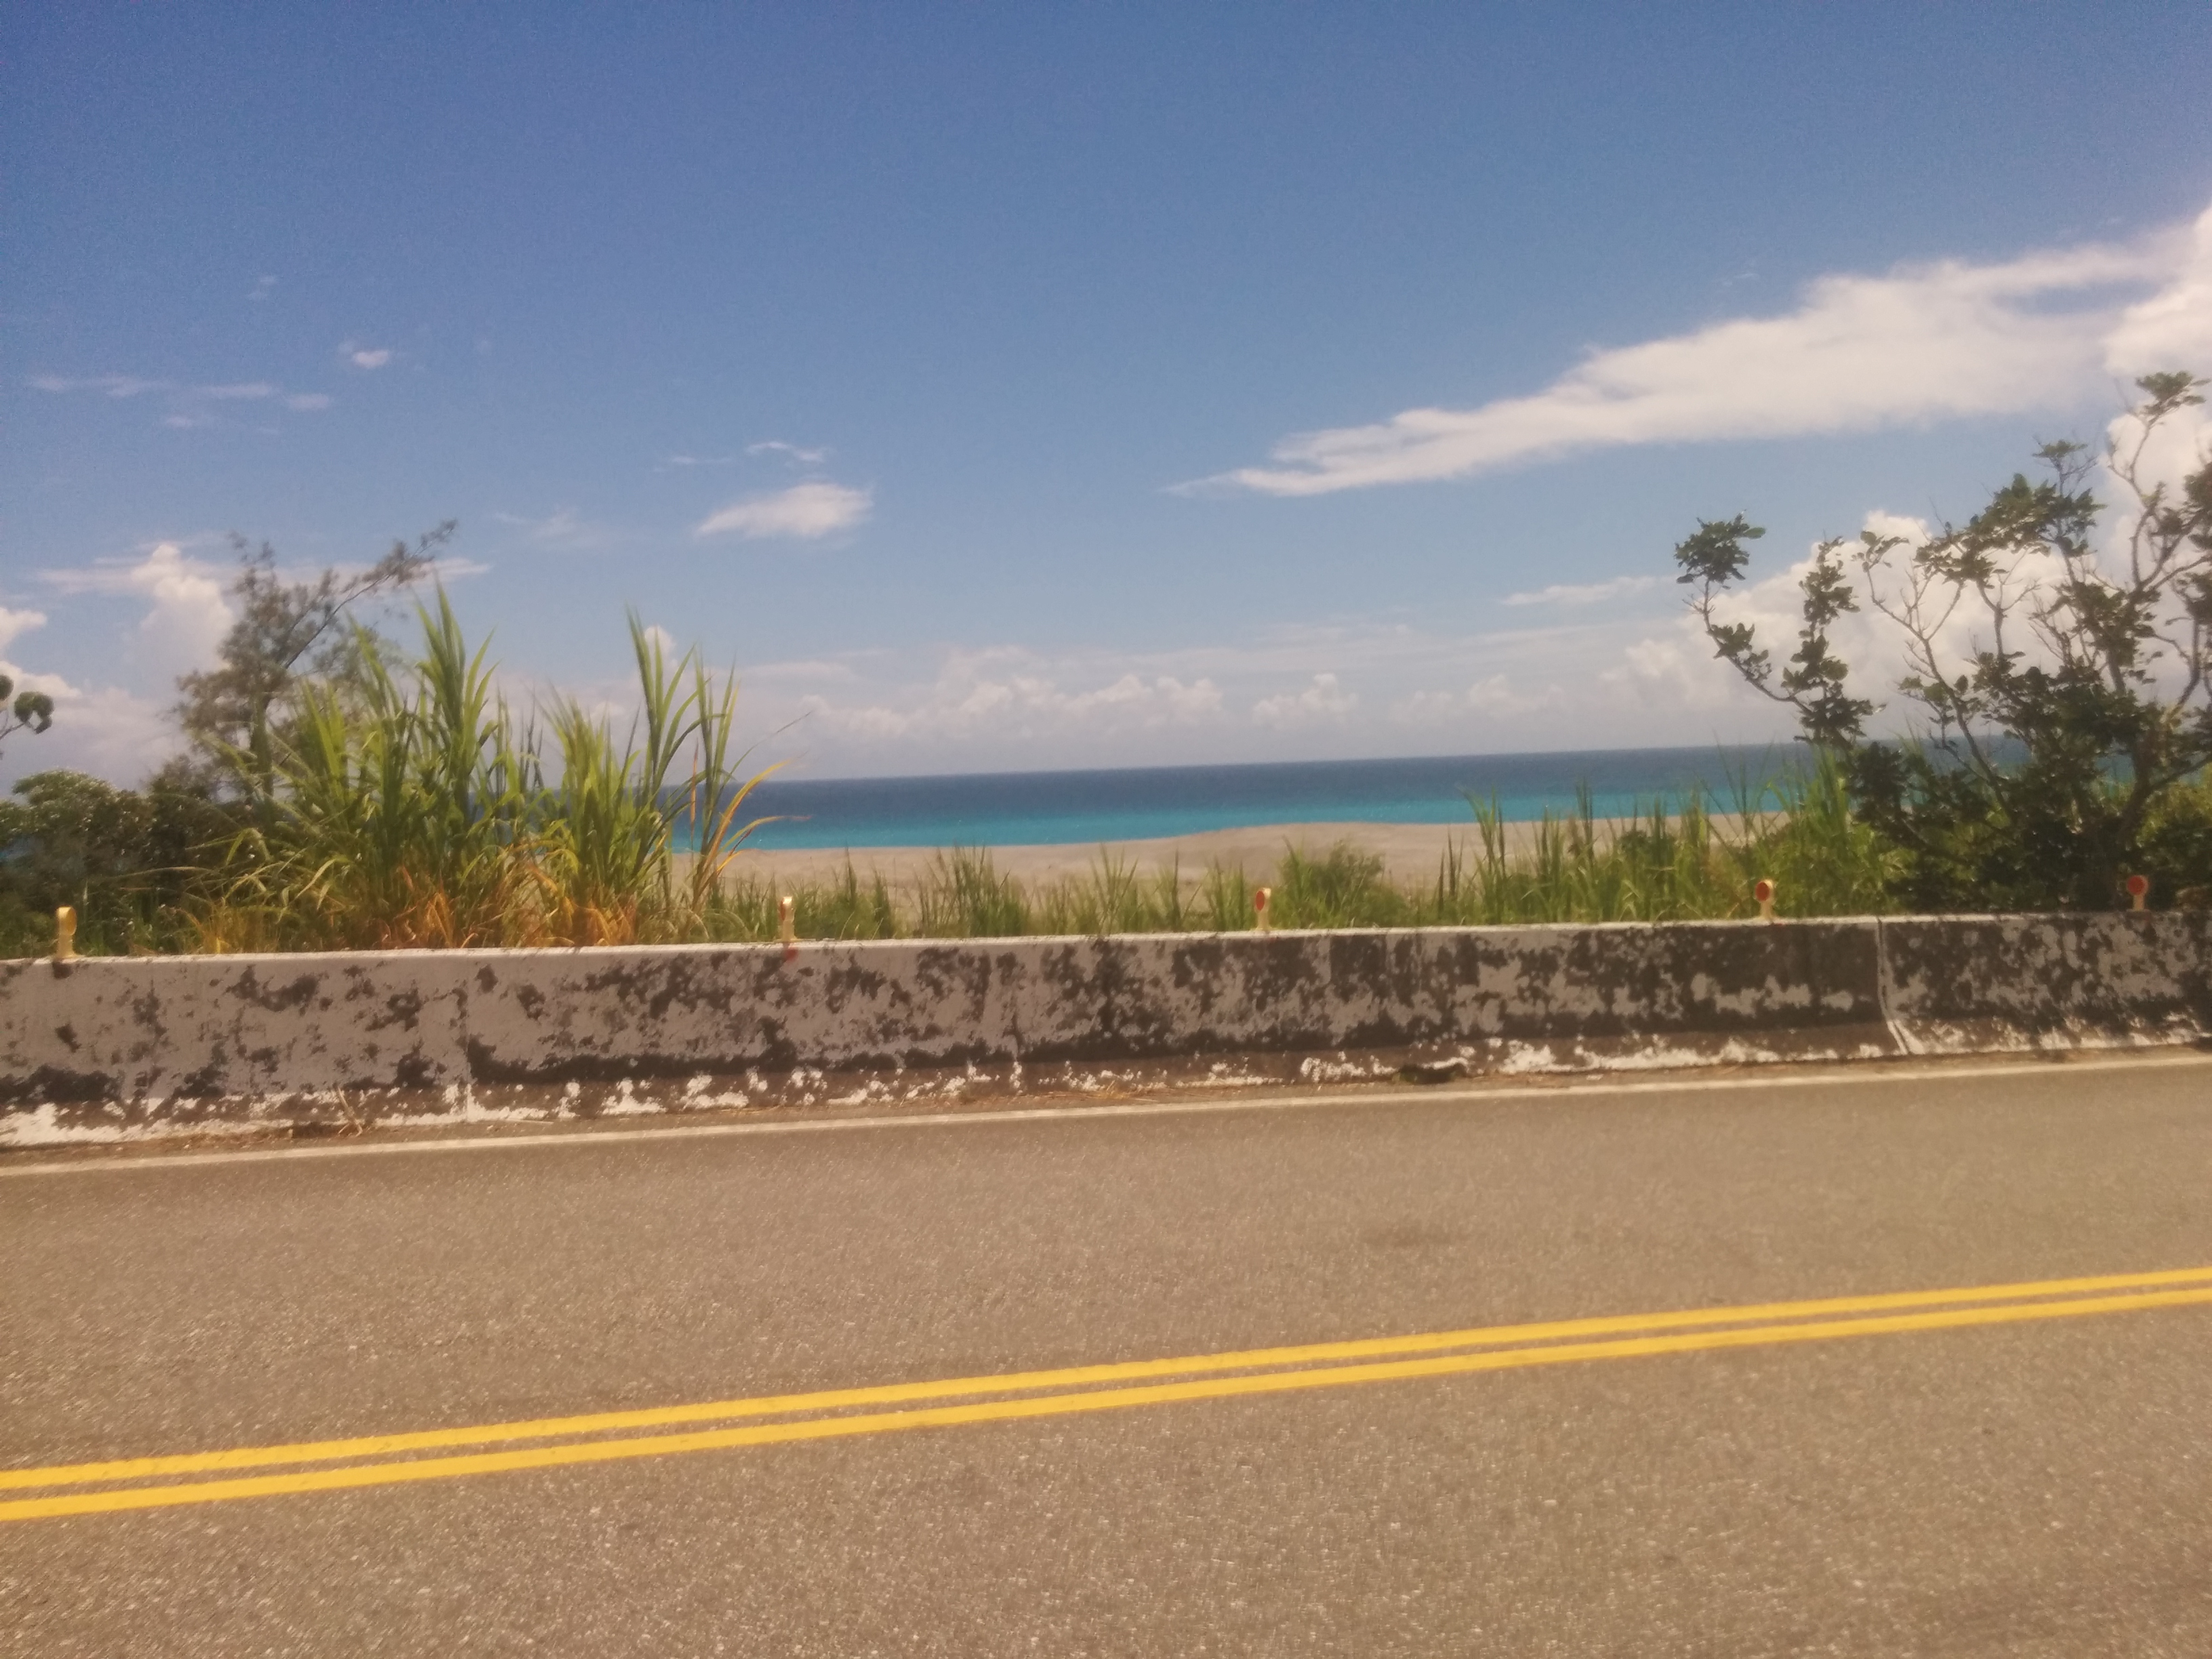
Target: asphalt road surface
[1892, 1362]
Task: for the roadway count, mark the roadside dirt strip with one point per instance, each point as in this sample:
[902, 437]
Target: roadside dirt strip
[395, 1459]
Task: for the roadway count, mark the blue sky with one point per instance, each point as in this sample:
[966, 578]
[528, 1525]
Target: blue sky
[951, 371]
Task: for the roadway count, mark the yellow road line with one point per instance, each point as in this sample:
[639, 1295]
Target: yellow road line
[245, 1458]
[1214, 1387]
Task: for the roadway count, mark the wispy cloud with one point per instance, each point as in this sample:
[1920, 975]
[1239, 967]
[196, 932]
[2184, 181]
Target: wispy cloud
[365, 356]
[187, 404]
[563, 527]
[115, 386]
[670, 462]
[789, 452]
[1923, 342]
[805, 511]
[1583, 593]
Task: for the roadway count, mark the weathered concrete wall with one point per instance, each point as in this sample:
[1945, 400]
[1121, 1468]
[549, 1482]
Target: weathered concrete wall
[101, 1047]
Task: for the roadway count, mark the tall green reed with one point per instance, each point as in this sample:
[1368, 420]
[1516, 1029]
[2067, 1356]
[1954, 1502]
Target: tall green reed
[424, 812]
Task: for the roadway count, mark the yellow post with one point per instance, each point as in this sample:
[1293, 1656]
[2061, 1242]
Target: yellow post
[65, 934]
[787, 924]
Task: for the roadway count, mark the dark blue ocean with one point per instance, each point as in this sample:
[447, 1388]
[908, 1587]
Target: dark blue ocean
[1013, 809]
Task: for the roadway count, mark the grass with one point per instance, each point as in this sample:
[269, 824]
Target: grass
[419, 809]
[425, 813]
[1665, 863]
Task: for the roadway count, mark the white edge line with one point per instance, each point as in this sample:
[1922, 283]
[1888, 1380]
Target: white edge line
[1183, 1108]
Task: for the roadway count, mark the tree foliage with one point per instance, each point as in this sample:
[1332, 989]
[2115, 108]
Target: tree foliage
[286, 631]
[23, 711]
[127, 860]
[2059, 673]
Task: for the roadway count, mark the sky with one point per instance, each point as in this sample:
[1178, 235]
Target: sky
[998, 387]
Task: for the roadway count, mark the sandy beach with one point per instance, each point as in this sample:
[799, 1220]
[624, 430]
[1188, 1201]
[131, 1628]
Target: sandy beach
[1410, 852]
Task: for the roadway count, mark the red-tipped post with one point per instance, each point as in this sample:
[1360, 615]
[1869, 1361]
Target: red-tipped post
[1763, 890]
[2138, 891]
[1260, 896]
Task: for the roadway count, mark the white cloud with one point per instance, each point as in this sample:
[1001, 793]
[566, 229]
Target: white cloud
[1678, 674]
[105, 731]
[1010, 693]
[805, 670]
[188, 404]
[563, 527]
[115, 386]
[110, 730]
[1322, 702]
[1584, 593]
[805, 511]
[1679, 671]
[368, 357]
[2171, 329]
[1925, 342]
[789, 452]
[189, 615]
[1492, 698]
[16, 623]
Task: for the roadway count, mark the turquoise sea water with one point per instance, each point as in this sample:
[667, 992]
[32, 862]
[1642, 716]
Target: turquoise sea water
[1011, 808]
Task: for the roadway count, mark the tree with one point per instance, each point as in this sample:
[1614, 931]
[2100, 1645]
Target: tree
[29, 711]
[2062, 681]
[285, 630]
[127, 860]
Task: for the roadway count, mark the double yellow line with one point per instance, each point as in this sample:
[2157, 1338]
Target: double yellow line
[611, 1436]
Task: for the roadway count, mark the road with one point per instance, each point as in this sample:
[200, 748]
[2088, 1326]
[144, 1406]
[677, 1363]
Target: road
[2020, 1473]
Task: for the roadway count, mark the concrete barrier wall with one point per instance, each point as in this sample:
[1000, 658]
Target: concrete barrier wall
[108, 1046]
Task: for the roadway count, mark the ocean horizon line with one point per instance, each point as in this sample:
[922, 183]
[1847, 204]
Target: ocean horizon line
[1109, 805]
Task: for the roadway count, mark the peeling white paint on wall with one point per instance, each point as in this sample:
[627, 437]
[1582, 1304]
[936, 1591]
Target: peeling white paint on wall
[103, 1047]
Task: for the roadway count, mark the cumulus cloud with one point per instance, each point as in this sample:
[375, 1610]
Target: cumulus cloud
[1679, 669]
[1584, 594]
[2172, 328]
[16, 623]
[805, 511]
[1322, 702]
[189, 614]
[1492, 698]
[1922, 342]
[366, 356]
[1014, 694]
[107, 728]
